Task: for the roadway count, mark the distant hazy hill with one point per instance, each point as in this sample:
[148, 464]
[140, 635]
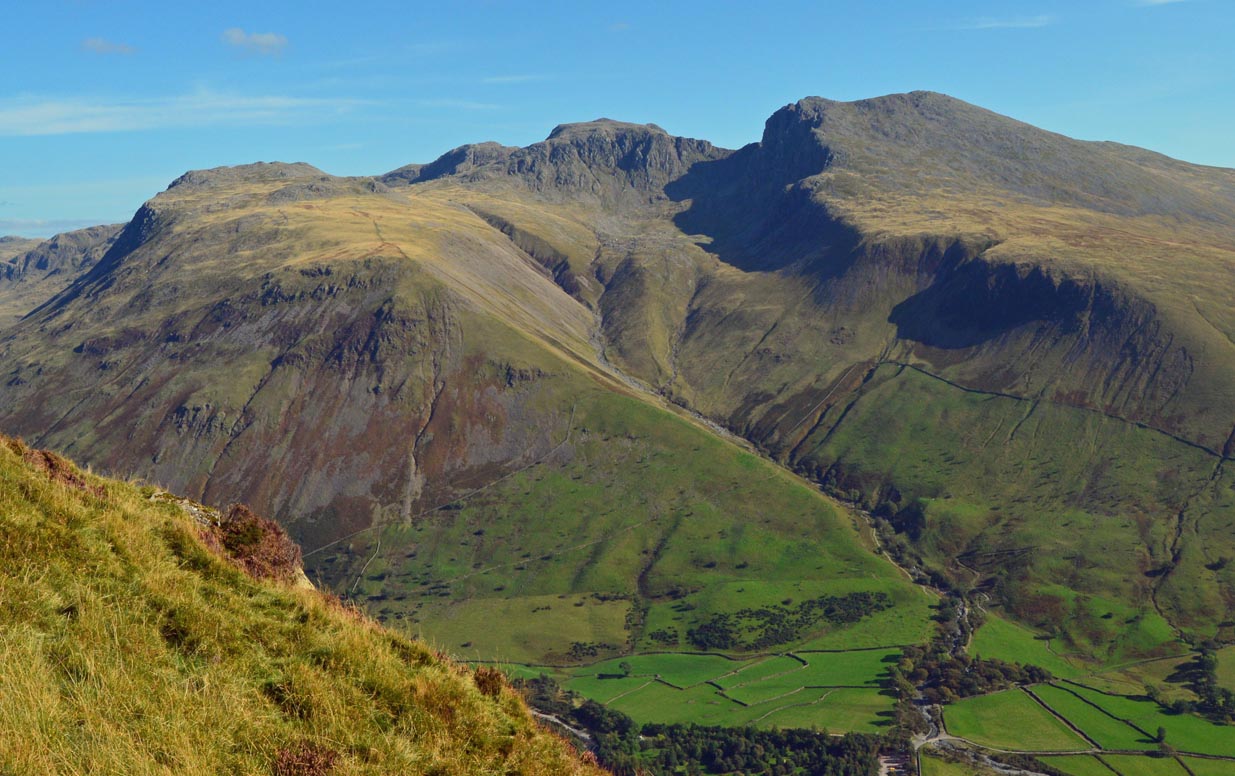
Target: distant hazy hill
[34, 270]
[1014, 345]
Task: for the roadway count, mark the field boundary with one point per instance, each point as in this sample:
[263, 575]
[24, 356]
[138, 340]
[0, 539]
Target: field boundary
[1075, 729]
[1127, 722]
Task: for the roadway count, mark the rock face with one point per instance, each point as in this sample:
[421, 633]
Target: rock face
[937, 311]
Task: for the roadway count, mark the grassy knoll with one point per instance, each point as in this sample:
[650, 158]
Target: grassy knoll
[1078, 765]
[1107, 731]
[1010, 720]
[1185, 732]
[127, 646]
[1138, 765]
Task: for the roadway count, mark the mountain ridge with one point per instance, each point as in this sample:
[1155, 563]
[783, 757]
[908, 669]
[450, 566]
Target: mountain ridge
[926, 308]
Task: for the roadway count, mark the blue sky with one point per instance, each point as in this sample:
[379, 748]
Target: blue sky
[103, 102]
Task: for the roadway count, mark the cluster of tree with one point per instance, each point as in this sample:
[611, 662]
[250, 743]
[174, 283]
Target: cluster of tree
[894, 538]
[627, 749]
[1201, 676]
[756, 629]
[943, 676]
[664, 637]
[581, 650]
[717, 750]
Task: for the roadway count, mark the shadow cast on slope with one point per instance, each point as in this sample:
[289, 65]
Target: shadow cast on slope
[977, 302]
[758, 213]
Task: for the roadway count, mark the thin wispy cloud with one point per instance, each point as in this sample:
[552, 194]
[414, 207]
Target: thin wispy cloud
[34, 227]
[619, 27]
[1159, 2]
[457, 104]
[74, 115]
[266, 43]
[511, 79]
[1008, 23]
[105, 46]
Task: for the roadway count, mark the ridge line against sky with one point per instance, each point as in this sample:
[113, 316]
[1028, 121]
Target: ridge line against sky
[100, 99]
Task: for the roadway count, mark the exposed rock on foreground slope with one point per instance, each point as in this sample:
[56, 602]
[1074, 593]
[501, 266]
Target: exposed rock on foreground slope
[128, 645]
[1016, 345]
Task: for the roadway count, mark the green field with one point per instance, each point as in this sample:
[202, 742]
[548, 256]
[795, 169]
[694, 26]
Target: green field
[1001, 639]
[1078, 765]
[607, 689]
[1200, 767]
[840, 711]
[1010, 720]
[1226, 667]
[1185, 732]
[836, 690]
[770, 668]
[837, 710]
[1139, 765]
[1108, 732]
[679, 670]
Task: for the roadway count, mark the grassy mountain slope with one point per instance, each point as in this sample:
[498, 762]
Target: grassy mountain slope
[1014, 344]
[128, 646]
[875, 273]
[431, 420]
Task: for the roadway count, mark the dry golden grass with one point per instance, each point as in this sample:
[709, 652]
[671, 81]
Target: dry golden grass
[126, 647]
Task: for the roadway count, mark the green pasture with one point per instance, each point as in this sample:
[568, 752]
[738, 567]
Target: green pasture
[1010, 720]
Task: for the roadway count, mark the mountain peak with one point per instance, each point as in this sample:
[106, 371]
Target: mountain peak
[604, 127]
[257, 172]
[925, 142]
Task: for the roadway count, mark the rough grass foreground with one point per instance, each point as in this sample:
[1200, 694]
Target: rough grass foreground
[128, 646]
